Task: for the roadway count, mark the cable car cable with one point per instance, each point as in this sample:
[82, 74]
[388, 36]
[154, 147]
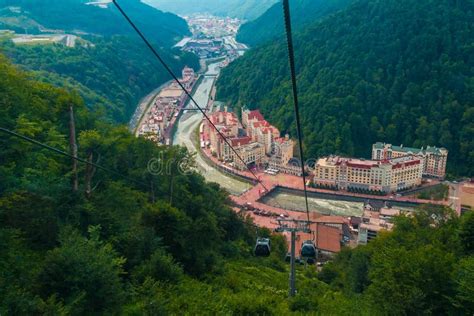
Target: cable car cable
[60, 152]
[291, 57]
[175, 78]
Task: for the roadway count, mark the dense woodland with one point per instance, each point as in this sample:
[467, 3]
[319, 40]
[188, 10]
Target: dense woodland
[77, 240]
[270, 26]
[393, 71]
[74, 16]
[110, 66]
[112, 76]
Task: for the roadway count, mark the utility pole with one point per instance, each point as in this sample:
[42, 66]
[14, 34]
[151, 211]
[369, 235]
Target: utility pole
[293, 226]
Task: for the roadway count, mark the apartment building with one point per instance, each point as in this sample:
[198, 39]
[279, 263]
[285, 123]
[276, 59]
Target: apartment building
[434, 159]
[282, 155]
[259, 129]
[370, 175]
[228, 125]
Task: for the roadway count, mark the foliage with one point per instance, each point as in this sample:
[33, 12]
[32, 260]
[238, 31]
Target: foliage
[171, 244]
[438, 193]
[110, 76]
[419, 268]
[393, 71]
[270, 25]
[76, 16]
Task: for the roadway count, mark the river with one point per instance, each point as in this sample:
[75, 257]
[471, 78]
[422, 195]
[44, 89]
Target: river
[187, 126]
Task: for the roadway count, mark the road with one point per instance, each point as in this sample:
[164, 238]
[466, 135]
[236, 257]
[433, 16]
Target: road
[188, 124]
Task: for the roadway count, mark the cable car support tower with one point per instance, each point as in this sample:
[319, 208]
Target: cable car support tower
[293, 226]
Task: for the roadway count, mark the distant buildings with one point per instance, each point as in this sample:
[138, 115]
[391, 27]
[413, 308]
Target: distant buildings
[64, 39]
[255, 140]
[212, 37]
[382, 176]
[466, 196]
[160, 118]
[434, 159]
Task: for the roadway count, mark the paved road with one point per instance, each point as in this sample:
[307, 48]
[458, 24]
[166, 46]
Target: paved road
[188, 124]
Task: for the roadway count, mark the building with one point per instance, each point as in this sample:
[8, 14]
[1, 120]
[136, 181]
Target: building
[282, 155]
[160, 118]
[188, 78]
[466, 196]
[228, 125]
[368, 175]
[372, 222]
[259, 129]
[461, 196]
[251, 153]
[256, 141]
[434, 159]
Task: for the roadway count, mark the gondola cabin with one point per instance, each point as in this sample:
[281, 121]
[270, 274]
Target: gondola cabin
[262, 247]
[308, 250]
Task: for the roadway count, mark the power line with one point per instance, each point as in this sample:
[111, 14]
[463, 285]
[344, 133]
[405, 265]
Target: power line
[291, 55]
[168, 69]
[60, 152]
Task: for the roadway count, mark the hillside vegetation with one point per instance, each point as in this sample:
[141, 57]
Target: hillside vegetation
[169, 243]
[111, 68]
[112, 76]
[75, 16]
[270, 25]
[393, 71]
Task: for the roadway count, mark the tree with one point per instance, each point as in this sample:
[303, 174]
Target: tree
[84, 273]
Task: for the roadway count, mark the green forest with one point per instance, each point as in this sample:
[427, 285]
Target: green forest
[394, 71]
[269, 25]
[109, 66]
[112, 75]
[77, 240]
[75, 16]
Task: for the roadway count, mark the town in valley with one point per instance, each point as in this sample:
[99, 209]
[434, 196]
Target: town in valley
[364, 194]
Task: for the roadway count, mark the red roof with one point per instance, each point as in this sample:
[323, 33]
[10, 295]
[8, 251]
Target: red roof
[328, 238]
[406, 164]
[331, 220]
[240, 141]
[255, 114]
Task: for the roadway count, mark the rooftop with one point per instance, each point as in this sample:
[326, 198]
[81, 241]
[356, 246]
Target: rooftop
[411, 150]
[170, 93]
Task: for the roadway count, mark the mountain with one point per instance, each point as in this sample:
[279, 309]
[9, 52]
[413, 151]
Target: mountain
[109, 65]
[270, 25]
[131, 243]
[242, 9]
[393, 71]
[110, 76]
[79, 17]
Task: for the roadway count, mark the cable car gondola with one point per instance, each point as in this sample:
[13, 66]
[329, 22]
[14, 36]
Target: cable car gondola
[308, 251]
[262, 247]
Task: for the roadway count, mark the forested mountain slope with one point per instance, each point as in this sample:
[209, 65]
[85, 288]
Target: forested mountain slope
[112, 76]
[399, 71]
[168, 243]
[109, 65]
[75, 16]
[242, 9]
[270, 24]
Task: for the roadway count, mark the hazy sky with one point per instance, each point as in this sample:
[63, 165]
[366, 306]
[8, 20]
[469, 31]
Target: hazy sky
[244, 9]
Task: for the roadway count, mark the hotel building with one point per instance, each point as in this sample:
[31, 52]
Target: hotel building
[358, 174]
[255, 141]
[433, 158]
